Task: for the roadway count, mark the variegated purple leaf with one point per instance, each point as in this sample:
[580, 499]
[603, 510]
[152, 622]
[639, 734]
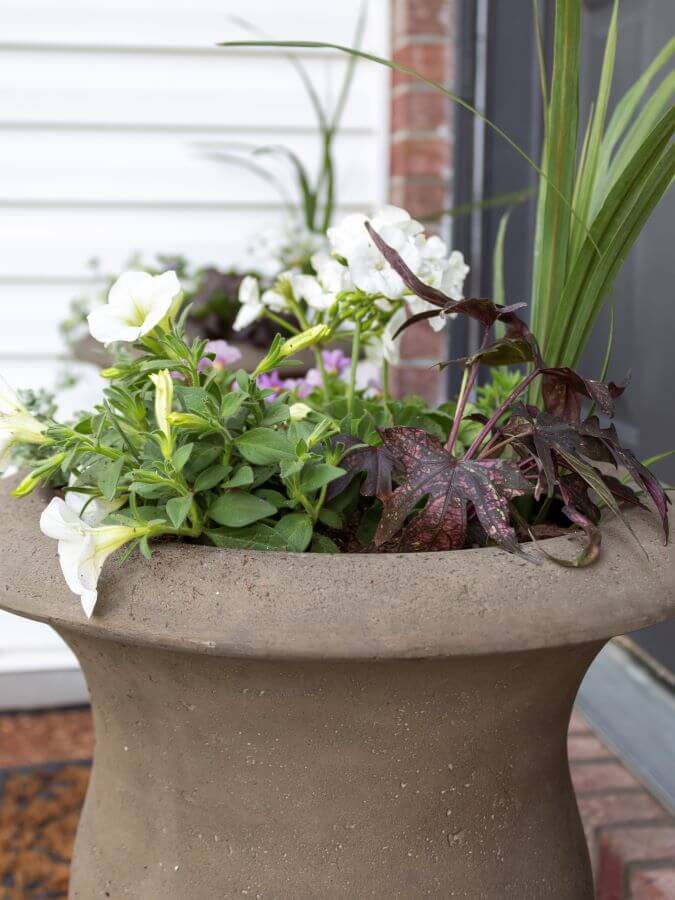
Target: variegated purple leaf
[448, 485]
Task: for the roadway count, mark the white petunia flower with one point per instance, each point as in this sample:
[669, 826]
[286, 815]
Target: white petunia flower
[251, 304]
[82, 549]
[310, 289]
[331, 273]
[454, 276]
[17, 425]
[94, 510]
[450, 280]
[369, 270]
[137, 303]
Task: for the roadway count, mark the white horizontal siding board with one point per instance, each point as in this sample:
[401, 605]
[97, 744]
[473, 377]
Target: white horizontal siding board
[70, 167]
[176, 23]
[57, 243]
[31, 314]
[226, 89]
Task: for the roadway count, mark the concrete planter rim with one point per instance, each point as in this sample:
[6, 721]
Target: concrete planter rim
[352, 606]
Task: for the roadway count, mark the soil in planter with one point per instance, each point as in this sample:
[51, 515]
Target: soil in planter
[39, 811]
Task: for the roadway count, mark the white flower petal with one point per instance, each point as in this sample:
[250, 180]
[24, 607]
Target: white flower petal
[61, 523]
[246, 316]
[88, 599]
[107, 327]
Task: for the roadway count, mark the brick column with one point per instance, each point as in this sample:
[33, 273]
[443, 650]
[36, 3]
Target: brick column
[421, 159]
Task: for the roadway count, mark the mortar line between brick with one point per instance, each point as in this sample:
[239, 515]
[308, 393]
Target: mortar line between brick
[419, 40]
[442, 133]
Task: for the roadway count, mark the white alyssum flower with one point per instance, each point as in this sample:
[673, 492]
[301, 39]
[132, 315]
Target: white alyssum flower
[17, 425]
[137, 303]
[82, 549]
[253, 303]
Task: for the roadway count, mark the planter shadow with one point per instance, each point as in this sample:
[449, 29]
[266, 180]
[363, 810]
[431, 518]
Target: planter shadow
[300, 725]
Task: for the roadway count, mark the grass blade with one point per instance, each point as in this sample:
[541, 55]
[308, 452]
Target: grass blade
[562, 128]
[588, 172]
[409, 70]
[579, 304]
[626, 107]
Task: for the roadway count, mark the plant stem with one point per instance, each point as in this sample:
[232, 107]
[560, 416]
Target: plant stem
[495, 417]
[385, 390]
[468, 381]
[356, 350]
[282, 322]
[318, 353]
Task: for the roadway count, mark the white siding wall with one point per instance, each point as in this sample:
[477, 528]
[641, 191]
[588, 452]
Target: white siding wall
[106, 109]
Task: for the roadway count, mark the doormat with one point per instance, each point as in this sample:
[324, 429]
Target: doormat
[39, 811]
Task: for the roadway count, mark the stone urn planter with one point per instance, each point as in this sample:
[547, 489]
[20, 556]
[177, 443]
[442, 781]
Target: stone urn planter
[290, 726]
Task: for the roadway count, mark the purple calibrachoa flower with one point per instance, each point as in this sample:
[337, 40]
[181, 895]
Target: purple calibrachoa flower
[225, 354]
[272, 381]
[336, 362]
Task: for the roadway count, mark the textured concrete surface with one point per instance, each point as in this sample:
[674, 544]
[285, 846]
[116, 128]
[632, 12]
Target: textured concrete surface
[295, 726]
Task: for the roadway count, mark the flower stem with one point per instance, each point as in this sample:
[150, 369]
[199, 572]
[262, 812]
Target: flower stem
[282, 322]
[318, 353]
[385, 390]
[356, 350]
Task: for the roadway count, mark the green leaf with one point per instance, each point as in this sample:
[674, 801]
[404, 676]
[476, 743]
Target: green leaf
[177, 509]
[331, 519]
[243, 477]
[296, 529]
[274, 497]
[237, 509]
[194, 399]
[181, 456]
[276, 414]
[256, 537]
[231, 404]
[263, 446]
[290, 467]
[203, 456]
[211, 477]
[144, 546]
[109, 478]
[316, 475]
[323, 544]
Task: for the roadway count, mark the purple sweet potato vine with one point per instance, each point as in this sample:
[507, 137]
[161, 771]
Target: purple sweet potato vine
[528, 473]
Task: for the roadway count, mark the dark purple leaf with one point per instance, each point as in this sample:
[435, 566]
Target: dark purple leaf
[504, 352]
[639, 473]
[483, 310]
[449, 486]
[563, 387]
[591, 547]
[375, 462]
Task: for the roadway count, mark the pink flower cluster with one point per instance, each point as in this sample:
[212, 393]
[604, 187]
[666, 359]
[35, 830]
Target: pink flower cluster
[335, 362]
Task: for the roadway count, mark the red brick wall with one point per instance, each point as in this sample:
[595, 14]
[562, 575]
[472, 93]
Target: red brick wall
[421, 158]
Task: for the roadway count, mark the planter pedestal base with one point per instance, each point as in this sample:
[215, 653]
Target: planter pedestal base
[217, 778]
